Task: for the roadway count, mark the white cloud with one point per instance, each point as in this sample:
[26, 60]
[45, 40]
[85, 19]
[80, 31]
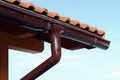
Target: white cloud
[70, 61]
[114, 74]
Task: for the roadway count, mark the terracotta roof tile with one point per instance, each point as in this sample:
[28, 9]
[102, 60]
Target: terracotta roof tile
[75, 22]
[64, 19]
[53, 15]
[28, 5]
[101, 32]
[14, 1]
[84, 26]
[41, 10]
[93, 29]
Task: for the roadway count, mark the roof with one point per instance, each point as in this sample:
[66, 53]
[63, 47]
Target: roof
[53, 17]
[44, 11]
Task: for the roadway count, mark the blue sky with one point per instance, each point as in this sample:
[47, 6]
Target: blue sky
[83, 64]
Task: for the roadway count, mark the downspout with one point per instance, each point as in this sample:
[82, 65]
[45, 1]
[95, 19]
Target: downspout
[51, 61]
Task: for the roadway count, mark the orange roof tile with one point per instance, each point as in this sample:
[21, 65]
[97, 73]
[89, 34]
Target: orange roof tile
[41, 10]
[53, 15]
[64, 19]
[75, 22]
[84, 26]
[101, 32]
[93, 29]
[14, 1]
[27, 4]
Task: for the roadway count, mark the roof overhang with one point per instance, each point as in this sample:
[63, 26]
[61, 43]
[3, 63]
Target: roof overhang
[41, 25]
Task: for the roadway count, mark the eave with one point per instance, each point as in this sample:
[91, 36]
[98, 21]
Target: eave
[41, 25]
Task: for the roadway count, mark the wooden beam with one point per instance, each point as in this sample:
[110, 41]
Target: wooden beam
[26, 35]
[31, 45]
[3, 61]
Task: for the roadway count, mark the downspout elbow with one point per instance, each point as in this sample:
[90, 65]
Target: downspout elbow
[50, 62]
[55, 59]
